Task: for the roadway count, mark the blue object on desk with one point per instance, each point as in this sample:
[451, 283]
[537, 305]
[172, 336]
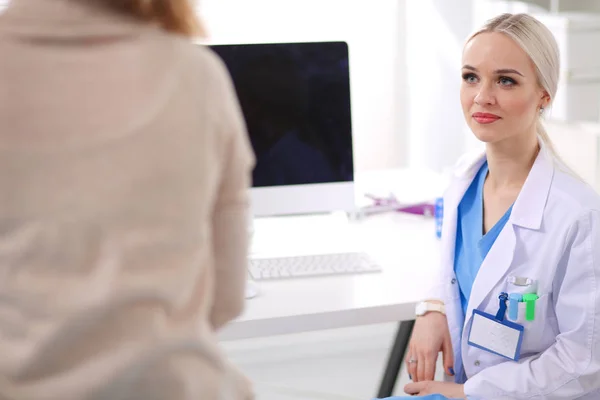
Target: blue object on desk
[438, 214]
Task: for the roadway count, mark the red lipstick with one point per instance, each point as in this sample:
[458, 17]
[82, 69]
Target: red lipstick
[485, 118]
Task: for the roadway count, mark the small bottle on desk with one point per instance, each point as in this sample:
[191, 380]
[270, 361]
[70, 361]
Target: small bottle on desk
[439, 216]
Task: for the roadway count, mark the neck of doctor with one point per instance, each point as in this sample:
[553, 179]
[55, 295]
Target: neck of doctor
[510, 160]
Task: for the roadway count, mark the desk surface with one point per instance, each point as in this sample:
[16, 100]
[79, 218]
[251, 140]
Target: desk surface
[405, 246]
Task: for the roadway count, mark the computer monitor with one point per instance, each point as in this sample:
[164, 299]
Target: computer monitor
[295, 98]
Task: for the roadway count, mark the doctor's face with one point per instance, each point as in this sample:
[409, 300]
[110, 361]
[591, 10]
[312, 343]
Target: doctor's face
[500, 94]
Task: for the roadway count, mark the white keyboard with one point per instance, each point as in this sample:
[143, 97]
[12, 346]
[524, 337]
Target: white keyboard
[310, 265]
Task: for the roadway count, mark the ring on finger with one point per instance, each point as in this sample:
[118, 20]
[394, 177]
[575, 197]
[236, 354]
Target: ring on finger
[412, 361]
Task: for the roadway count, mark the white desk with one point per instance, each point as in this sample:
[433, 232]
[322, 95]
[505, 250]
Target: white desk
[404, 245]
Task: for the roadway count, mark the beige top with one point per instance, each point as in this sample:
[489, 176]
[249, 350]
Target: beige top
[124, 168]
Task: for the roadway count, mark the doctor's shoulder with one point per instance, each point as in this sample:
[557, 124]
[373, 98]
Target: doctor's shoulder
[572, 217]
[570, 197]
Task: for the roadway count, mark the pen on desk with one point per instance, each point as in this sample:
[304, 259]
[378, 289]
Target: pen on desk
[391, 204]
[380, 201]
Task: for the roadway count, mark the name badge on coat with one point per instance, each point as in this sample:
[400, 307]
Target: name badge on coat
[493, 333]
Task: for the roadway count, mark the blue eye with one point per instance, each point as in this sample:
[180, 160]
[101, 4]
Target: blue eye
[505, 81]
[469, 78]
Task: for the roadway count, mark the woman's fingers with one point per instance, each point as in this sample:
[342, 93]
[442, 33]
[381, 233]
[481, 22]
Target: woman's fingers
[414, 389]
[411, 367]
[424, 365]
[421, 367]
[429, 367]
[426, 362]
[448, 356]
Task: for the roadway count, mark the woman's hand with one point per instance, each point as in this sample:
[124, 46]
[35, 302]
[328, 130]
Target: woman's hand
[447, 389]
[430, 336]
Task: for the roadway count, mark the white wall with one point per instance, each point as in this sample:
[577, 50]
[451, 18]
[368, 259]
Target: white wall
[436, 31]
[374, 32]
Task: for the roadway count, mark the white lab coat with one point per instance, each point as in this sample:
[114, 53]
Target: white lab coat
[552, 236]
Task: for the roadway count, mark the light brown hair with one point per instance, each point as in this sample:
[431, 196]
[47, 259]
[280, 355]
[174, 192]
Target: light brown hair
[176, 16]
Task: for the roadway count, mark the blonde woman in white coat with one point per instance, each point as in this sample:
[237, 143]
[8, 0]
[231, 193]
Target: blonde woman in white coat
[516, 223]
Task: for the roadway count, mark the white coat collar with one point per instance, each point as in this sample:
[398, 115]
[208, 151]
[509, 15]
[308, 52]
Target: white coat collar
[528, 209]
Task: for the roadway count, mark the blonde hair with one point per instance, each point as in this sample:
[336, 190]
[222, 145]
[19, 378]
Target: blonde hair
[541, 47]
[176, 16]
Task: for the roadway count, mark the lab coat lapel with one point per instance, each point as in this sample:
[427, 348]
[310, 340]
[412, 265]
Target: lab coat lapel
[451, 200]
[464, 174]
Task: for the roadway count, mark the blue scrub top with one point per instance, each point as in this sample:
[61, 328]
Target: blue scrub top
[472, 245]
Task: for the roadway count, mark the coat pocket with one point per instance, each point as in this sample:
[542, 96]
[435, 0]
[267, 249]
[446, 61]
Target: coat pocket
[521, 285]
[536, 335]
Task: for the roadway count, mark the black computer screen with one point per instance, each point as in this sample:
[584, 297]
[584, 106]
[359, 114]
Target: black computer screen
[295, 98]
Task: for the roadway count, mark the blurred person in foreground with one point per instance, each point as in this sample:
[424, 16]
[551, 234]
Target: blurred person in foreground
[124, 169]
